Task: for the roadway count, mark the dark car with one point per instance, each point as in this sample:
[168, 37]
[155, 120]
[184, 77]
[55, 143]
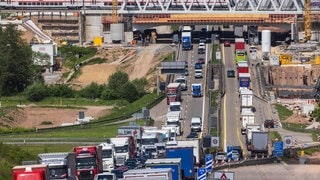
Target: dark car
[132, 163]
[201, 60]
[193, 135]
[269, 123]
[201, 51]
[186, 72]
[198, 65]
[226, 44]
[231, 74]
[203, 30]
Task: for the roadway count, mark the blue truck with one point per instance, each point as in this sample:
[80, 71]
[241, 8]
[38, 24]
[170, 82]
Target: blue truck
[196, 90]
[186, 41]
[187, 160]
[244, 80]
[173, 163]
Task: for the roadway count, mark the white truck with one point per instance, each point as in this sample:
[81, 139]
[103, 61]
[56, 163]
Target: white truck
[161, 149]
[247, 117]
[148, 142]
[196, 124]
[252, 128]
[175, 106]
[246, 96]
[183, 82]
[152, 174]
[61, 165]
[124, 149]
[174, 129]
[173, 117]
[108, 160]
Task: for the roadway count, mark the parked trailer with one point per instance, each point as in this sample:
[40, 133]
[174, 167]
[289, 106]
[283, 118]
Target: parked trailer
[187, 159]
[259, 143]
[244, 80]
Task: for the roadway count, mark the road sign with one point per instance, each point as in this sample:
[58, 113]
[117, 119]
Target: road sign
[278, 149]
[223, 175]
[229, 151]
[218, 55]
[288, 142]
[201, 174]
[209, 162]
[215, 142]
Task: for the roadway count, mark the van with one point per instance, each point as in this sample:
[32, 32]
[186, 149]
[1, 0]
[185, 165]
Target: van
[196, 124]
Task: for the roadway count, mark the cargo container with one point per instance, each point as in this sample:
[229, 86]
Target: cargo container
[241, 56]
[239, 44]
[152, 174]
[259, 143]
[173, 163]
[243, 67]
[244, 80]
[187, 159]
[32, 172]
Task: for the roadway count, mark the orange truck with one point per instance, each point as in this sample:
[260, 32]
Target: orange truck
[31, 172]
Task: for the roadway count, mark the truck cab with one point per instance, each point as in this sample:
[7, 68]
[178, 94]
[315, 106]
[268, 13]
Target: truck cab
[175, 106]
[124, 149]
[183, 82]
[173, 117]
[196, 124]
[108, 156]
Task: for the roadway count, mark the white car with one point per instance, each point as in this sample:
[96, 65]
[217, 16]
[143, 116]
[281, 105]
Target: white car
[105, 176]
[198, 73]
[202, 45]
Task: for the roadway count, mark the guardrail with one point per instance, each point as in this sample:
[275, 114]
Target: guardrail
[246, 162]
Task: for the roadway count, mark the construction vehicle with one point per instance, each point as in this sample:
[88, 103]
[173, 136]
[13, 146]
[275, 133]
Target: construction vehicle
[285, 59]
[88, 161]
[61, 165]
[32, 172]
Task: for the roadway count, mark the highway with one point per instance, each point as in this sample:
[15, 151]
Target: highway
[230, 103]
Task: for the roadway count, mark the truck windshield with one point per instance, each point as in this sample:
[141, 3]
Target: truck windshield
[195, 124]
[148, 141]
[172, 122]
[105, 177]
[181, 81]
[175, 108]
[121, 149]
[58, 172]
[161, 148]
[86, 161]
[150, 150]
[107, 153]
[171, 93]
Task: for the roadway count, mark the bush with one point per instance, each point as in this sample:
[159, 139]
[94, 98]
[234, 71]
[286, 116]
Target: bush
[36, 92]
[61, 90]
[92, 91]
[129, 92]
[108, 94]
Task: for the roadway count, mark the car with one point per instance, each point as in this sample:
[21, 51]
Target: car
[185, 64]
[231, 74]
[132, 163]
[198, 73]
[269, 123]
[193, 135]
[202, 45]
[201, 51]
[226, 44]
[105, 176]
[202, 40]
[221, 156]
[186, 72]
[197, 65]
[203, 30]
[201, 60]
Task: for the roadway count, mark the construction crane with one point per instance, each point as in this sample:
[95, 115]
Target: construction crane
[307, 20]
[115, 16]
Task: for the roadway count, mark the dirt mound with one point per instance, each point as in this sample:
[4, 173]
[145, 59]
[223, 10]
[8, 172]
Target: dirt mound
[29, 117]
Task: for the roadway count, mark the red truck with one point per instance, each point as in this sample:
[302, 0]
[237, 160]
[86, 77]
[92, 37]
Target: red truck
[31, 172]
[243, 67]
[88, 161]
[239, 44]
[173, 92]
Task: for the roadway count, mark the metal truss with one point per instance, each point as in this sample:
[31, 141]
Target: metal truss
[210, 6]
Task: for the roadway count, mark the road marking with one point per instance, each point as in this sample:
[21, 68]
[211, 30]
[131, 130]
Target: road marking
[224, 110]
[204, 87]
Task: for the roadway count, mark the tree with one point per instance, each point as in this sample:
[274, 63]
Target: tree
[129, 92]
[316, 114]
[37, 92]
[117, 80]
[92, 91]
[16, 65]
[142, 85]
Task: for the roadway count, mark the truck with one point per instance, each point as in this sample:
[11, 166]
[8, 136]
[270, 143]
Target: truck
[173, 117]
[125, 148]
[259, 143]
[148, 143]
[244, 80]
[197, 149]
[196, 124]
[175, 129]
[61, 165]
[196, 90]
[173, 92]
[172, 163]
[187, 28]
[134, 131]
[145, 174]
[88, 161]
[247, 117]
[249, 129]
[32, 172]
[246, 96]
[183, 82]
[243, 67]
[238, 31]
[108, 160]
[239, 44]
[175, 106]
[186, 40]
[241, 56]
[187, 159]
[161, 149]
